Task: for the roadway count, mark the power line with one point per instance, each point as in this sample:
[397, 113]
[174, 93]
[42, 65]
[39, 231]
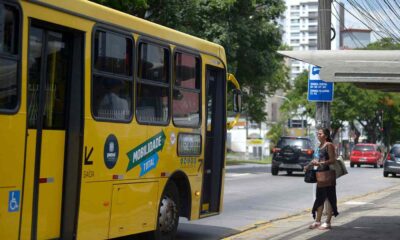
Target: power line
[353, 37]
[381, 15]
[366, 25]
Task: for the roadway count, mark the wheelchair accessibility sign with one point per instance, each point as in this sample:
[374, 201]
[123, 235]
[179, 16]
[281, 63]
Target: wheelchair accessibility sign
[13, 201]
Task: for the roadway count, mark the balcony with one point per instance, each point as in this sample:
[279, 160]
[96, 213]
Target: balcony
[304, 41]
[312, 42]
[313, 14]
[313, 28]
[313, 22]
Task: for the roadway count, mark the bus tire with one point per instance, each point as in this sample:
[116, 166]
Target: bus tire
[168, 214]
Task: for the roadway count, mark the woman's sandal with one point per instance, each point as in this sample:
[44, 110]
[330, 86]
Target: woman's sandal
[325, 226]
[314, 225]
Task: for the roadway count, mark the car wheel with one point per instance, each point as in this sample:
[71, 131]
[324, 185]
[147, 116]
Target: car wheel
[393, 174]
[168, 214]
[274, 171]
[385, 174]
[381, 166]
[358, 165]
[375, 165]
[289, 172]
[351, 164]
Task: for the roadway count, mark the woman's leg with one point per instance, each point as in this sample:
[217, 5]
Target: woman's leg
[320, 209]
[328, 211]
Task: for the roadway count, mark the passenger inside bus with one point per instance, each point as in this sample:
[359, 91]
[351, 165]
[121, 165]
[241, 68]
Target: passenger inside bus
[113, 105]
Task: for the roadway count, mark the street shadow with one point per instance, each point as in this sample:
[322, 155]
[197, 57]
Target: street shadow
[255, 169]
[200, 232]
[371, 227]
[296, 174]
[192, 232]
[394, 176]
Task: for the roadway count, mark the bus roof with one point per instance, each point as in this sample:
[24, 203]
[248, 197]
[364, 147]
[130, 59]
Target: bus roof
[109, 16]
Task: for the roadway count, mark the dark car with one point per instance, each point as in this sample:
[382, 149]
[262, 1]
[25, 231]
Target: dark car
[291, 154]
[391, 164]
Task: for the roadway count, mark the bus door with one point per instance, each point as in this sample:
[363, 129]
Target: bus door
[215, 140]
[54, 112]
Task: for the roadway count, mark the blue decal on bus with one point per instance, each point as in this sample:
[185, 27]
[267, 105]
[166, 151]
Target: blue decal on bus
[149, 164]
[111, 151]
[13, 201]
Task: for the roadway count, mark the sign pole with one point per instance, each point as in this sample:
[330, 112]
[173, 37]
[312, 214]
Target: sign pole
[323, 115]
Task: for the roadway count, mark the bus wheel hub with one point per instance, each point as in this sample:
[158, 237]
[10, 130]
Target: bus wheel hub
[168, 214]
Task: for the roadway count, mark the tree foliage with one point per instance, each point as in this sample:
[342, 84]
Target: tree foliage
[245, 28]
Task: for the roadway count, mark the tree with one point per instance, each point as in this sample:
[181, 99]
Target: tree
[247, 29]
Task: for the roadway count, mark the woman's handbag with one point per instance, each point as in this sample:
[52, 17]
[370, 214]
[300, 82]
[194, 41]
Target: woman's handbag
[310, 176]
[326, 178]
[339, 167]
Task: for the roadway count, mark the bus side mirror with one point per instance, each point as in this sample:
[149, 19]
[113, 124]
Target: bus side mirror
[237, 100]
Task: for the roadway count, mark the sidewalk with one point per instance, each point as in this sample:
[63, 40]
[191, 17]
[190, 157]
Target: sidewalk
[373, 216]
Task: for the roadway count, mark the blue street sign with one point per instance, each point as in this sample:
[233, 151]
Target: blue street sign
[318, 90]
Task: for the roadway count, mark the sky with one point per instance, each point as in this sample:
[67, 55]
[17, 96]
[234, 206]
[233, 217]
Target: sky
[352, 22]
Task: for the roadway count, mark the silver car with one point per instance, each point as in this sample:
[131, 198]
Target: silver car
[392, 161]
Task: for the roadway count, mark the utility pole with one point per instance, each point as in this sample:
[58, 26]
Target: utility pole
[323, 113]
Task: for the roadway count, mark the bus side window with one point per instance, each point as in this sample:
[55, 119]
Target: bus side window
[112, 80]
[152, 104]
[186, 93]
[9, 42]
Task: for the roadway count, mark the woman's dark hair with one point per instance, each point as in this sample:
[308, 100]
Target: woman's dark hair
[327, 133]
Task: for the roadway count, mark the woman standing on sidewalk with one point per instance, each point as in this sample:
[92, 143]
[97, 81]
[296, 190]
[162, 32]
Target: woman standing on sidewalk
[325, 195]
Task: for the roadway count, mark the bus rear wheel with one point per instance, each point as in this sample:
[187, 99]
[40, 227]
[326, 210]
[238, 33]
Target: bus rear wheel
[168, 214]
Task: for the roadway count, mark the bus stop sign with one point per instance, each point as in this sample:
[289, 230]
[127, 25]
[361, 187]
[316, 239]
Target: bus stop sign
[318, 90]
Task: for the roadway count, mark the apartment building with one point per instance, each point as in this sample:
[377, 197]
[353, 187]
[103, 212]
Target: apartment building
[299, 26]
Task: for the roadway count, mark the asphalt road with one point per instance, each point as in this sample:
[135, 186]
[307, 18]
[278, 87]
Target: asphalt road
[252, 195]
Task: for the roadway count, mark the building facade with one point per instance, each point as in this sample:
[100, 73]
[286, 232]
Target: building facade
[299, 26]
[355, 38]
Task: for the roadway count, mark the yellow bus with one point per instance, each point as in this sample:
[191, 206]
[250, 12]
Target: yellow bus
[110, 125]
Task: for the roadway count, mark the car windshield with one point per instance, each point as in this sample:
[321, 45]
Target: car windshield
[395, 151]
[300, 143]
[364, 148]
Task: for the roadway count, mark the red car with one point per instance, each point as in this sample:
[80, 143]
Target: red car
[366, 154]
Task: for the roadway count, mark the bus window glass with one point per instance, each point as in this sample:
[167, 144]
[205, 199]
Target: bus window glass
[152, 103]
[9, 25]
[8, 84]
[153, 63]
[187, 71]
[112, 94]
[112, 53]
[56, 80]
[186, 108]
[112, 98]
[9, 40]
[186, 94]
[35, 62]
[57, 72]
